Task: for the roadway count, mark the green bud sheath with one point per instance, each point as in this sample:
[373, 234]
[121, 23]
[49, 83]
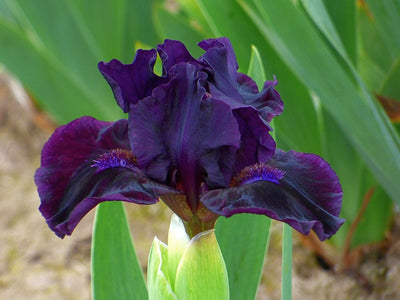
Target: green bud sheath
[187, 269]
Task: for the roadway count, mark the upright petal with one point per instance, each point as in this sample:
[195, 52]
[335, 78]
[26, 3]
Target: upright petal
[133, 82]
[220, 56]
[180, 131]
[238, 87]
[252, 109]
[172, 53]
[297, 188]
[70, 182]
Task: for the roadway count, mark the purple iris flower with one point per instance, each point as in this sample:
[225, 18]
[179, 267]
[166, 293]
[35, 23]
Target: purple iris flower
[197, 137]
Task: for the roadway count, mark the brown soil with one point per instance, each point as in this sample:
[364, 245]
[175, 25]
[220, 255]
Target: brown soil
[35, 264]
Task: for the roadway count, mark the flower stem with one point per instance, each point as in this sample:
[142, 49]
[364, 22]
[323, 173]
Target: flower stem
[196, 225]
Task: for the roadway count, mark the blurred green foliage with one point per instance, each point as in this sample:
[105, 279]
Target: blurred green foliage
[331, 59]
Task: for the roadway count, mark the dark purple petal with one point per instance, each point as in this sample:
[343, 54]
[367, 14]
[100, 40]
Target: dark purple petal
[308, 196]
[133, 82]
[253, 109]
[182, 132]
[68, 148]
[69, 182]
[88, 187]
[221, 57]
[268, 101]
[256, 142]
[172, 53]
[236, 86]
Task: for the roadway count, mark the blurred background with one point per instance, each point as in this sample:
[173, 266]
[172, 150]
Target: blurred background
[338, 67]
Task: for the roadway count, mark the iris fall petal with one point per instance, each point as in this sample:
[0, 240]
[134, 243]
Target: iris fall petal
[70, 186]
[308, 195]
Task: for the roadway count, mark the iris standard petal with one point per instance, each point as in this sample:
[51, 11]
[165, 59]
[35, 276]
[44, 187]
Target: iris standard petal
[173, 52]
[238, 87]
[70, 181]
[306, 194]
[181, 129]
[132, 82]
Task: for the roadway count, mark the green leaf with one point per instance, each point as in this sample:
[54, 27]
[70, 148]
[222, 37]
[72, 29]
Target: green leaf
[390, 86]
[193, 9]
[54, 48]
[386, 15]
[356, 181]
[224, 16]
[256, 70]
[372, 134]
[377, 217]
[372, 48]
[243, 240]
[343, 15]
[139, 25]
[177, 27]
[201, 272]
[287, 249]
[340, 17]
[116, 273]
[59, 70]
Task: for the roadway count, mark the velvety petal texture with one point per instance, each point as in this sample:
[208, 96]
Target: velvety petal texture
[197, 137]
[70, 185]
[182, 131]
[304, 192]
[133, 82]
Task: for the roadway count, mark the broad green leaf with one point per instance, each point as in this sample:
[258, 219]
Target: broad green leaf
[201, 272]
[61, 43]
[59, 70]
[224, 16]
[348, 166]
[371, 133]
[116, 273]
[138, 25]
[377, 217]
[370, 41]
[343, 16]
[390, 86]
[243, 240]
[193, 9]
[317, 11]
[372, 73]
[158, 277]
[287, 249]
[356, 180]
[386, 16]
[114, 26]
[177, 27]
[6, 13]
[376, 60]
[103, 24]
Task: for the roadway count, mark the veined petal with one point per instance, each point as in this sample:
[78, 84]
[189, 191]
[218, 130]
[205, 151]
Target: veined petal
[70, 183]
[172, 53]
[238, 87]
[182, 131]
[300, 189]
[133, 82]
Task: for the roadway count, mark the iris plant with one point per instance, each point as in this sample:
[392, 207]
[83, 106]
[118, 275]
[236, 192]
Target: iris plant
[197, 137]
